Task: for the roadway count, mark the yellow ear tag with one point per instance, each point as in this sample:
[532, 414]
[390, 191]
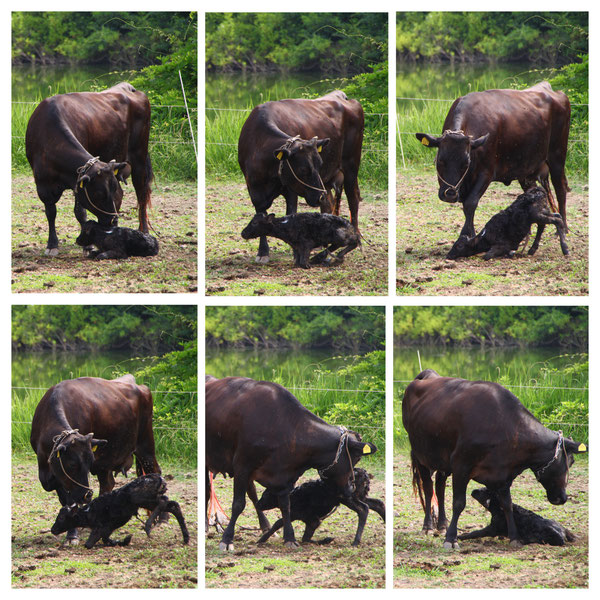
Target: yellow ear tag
[319, 148]
[81, 184]
[94, 448]
[366, 449]
[425, 141]
[582, 448]
[280, 156]
[57, 453]
[115, 171]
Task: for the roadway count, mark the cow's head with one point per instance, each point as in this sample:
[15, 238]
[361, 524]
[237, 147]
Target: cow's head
[98, 189]
[350, 450]
[299, 166]
[554, 474]
[453, 160]
[71, 460]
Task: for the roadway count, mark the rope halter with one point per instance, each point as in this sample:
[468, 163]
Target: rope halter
[344, 434]
[81, 171]
[457, 185]
[560, 442]
[57, 440]
[287, 146]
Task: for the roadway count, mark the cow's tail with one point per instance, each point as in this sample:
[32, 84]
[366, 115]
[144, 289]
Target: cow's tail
[417, 481]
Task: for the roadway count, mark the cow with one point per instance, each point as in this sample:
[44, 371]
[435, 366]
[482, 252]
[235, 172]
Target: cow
[504, 232]
[92, 425]
[300, 147]
[478, 430]
[258, 431]
[306, 231]
[117, 242]
[108, 512]
[313, 501]
[502, 135]
[91, 142]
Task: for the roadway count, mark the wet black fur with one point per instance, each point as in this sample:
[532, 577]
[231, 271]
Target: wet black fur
[118, 242]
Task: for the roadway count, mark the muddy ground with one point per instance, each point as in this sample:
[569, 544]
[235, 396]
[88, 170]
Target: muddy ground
[40, 560]
[427, 228]
[421, 562]
[173, 218]
[230, 266]
[334, 565]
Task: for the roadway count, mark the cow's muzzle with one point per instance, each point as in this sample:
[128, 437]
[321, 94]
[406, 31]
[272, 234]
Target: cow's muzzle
[449, 195]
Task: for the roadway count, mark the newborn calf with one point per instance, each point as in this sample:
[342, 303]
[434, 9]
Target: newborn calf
[315, 500]
[532, 528]
[306, 231]
[118, 242]
[110, 511]
[504, 232]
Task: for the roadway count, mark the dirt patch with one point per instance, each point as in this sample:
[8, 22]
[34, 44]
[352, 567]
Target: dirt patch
[39, 560]
[335, 565]
[427, 228]
[174, 221]
[230, 266]
[421, 562]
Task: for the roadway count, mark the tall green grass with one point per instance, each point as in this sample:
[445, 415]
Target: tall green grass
[557, 396]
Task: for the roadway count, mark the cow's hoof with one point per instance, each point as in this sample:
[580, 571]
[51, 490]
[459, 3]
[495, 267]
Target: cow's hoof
[223, 547]
[293, 545]
[52, 252]
[428, 531]
[516, 544]
[261, 260]
[451, 545]
[72, 542]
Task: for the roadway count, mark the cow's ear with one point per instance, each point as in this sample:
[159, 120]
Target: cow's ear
[477, 142]
[362, 448]
[322, 143]
[428, 140]
[122, 171]
[281, 153]
[575, 448]
[98, 444]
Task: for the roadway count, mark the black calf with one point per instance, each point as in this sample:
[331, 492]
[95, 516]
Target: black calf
[306, 231]
[505, 231]
[532, 528]
[118, 242]
[315, 500]
[110, 511]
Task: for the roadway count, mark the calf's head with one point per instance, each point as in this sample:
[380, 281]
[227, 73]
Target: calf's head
[453, 160]
[554, 475]
[98, 189]
[300, 163]
[71, 460]
[68, 517]
[261, 224]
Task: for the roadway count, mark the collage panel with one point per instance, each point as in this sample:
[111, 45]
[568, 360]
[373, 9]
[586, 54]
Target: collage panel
[295, 422]
[99, 393]
[104, 128]
[491, 430]
[296, 154]
[484, 101]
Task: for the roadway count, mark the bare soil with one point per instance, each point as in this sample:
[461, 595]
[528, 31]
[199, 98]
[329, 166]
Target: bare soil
[270, 565]
[427, 228]
[40, 560]
[173, 218]
[231, 269]
[421, 562]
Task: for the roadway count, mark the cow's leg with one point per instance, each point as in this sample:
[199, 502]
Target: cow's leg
[470, 205]
[50, 210]
[240, 488]
[440, 492]
[506, 504]
[263, 522]
[207, 492]
[459, 501]
[106, 481]
[291, 202]
[309, 530]
[426, 485]
[72, 534]
[362, 510]
[556, 164]
[289, 539]
[141, 177]
[276, 527]
[262, 194]
[353, 195]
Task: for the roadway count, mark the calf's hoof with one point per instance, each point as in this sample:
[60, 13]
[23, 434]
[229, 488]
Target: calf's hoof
[451, 545]
[224, 547]
[52, 252]
[261, 260]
